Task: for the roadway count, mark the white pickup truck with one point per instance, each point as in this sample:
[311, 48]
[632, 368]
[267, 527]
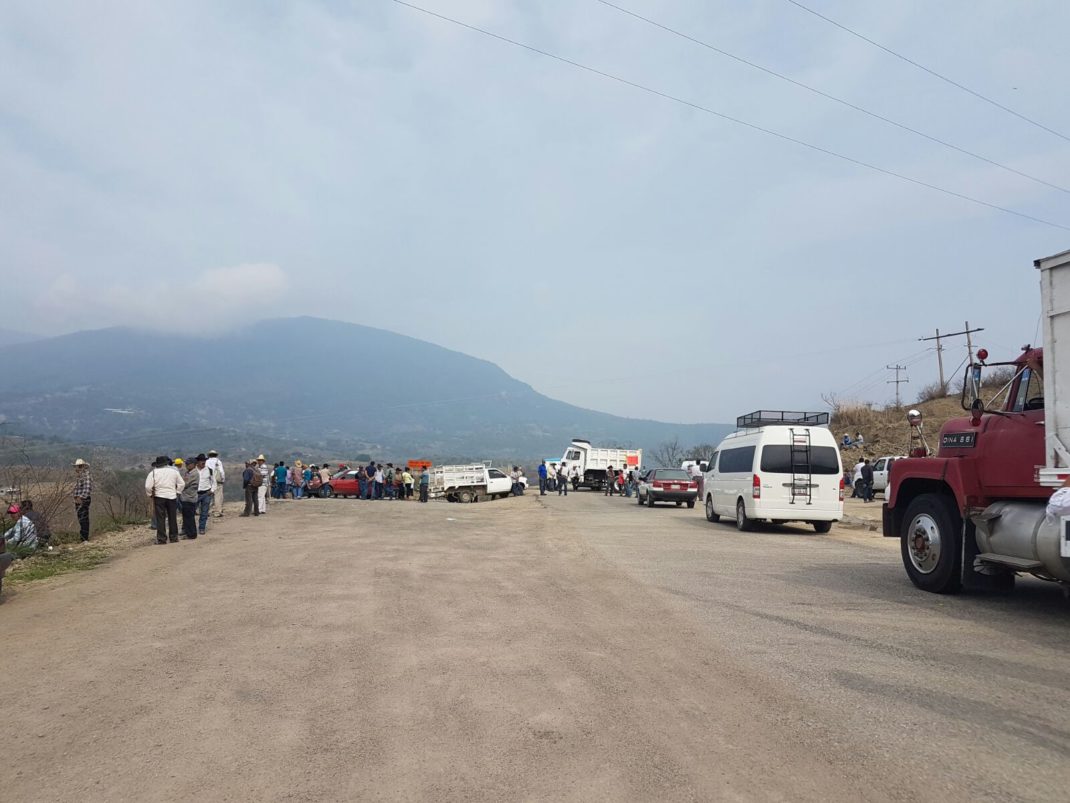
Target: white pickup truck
[469, 483]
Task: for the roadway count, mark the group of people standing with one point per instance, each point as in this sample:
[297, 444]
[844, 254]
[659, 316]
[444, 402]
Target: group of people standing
[193, 486]
[861, 480]
[555, 477]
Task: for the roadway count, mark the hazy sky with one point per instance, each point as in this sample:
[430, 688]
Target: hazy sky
[186, 163]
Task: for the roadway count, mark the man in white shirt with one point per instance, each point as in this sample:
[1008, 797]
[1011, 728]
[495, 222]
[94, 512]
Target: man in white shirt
[206, 487]
[265, 483]
[856, 479]
[163, 485]
[220, 476]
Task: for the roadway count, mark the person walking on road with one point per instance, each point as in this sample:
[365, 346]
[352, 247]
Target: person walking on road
[220, 475]
[187, 500]
[867, 482]
[164, 485]
[425, 483]
[83, 495]
[250, 483]
[542, 478]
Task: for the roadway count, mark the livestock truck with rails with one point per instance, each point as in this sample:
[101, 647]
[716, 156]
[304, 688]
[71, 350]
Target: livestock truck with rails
[591, 463]
[976, 515]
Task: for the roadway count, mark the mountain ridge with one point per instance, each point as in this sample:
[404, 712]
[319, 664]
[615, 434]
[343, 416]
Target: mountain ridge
[306, 380]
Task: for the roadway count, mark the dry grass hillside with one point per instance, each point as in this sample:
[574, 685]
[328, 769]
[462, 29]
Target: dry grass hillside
[886, 431]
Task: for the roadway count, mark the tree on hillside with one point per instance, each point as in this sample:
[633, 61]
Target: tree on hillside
[703, 452]
[669, 453]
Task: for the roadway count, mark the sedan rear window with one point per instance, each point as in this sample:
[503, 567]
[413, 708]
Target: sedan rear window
[776, 459]
[671, 474]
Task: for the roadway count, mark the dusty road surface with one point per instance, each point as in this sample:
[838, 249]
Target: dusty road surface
[557, 648]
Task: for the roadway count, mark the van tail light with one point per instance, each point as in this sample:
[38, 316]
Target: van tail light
[756, 487]
[841, 489]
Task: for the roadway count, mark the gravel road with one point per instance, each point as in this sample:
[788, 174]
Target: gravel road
[545, 648]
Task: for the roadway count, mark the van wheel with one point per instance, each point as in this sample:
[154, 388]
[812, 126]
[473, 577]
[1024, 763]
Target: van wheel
[931, 543]
[822, 526]
[710, 514]
[743, 524]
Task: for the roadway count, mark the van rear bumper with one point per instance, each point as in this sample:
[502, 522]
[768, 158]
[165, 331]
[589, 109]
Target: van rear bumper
[799, 512]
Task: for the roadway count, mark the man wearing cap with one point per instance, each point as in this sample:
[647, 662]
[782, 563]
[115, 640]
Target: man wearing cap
[220, 476]
[164, 485]
[83, 491]
[187, 500]
[265, 483]
[205, 490]
[22, 538]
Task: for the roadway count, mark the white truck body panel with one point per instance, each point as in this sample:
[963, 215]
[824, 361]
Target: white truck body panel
[1055, 307]
[476, 476]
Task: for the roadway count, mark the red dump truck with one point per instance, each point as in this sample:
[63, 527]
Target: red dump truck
[975, 515]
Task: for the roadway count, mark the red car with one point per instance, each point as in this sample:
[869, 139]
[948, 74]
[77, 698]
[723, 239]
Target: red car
[344, 483]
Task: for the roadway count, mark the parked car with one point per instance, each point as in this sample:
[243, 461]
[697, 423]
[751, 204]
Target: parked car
[666, 485]
[776, 468]
[881, 470]
[345, 483]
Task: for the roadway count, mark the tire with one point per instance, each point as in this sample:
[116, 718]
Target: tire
[743, 524]
[638, 499]
[691, 504]
[931, 544]
[711, 515]
[649, 499]
[822, 526]
[464, 496]
[326, 492]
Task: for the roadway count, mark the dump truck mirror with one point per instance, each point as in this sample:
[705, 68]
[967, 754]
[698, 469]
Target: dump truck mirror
[971, 387]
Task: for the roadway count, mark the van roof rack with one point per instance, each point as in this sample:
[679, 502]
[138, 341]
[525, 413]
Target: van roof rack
[781, 418]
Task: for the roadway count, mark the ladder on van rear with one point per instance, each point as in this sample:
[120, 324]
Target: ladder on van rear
[801, 466]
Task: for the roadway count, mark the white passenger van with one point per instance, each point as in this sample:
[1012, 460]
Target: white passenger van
[778, 467]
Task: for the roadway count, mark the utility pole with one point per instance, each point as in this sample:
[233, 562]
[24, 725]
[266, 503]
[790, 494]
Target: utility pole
[940, 347]
[897, 381]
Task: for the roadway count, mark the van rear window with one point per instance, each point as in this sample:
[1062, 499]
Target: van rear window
[736, 461]
[776, 459]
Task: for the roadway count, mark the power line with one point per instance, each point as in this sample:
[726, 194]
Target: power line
[723, 116]
[897, 381]
[823, 94]
[930, 71]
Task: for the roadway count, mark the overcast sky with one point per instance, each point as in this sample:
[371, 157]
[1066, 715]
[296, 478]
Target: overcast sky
[172, 163]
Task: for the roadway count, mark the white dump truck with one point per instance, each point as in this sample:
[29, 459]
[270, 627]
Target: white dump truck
[591, 462]
[471, 482]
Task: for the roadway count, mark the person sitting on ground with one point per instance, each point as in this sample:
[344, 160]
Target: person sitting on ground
[860, 442]
[21, 539]
[847, 442]
[40, 525]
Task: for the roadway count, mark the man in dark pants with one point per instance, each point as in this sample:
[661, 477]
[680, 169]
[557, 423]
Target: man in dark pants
[425, 483]
[867, 482]
[187, 500]
[164, 485]
[611, 477]
[83, 491]
[247, 478]
[542, 478]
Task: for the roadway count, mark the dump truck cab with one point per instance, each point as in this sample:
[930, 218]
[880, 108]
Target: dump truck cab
[974, 515]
